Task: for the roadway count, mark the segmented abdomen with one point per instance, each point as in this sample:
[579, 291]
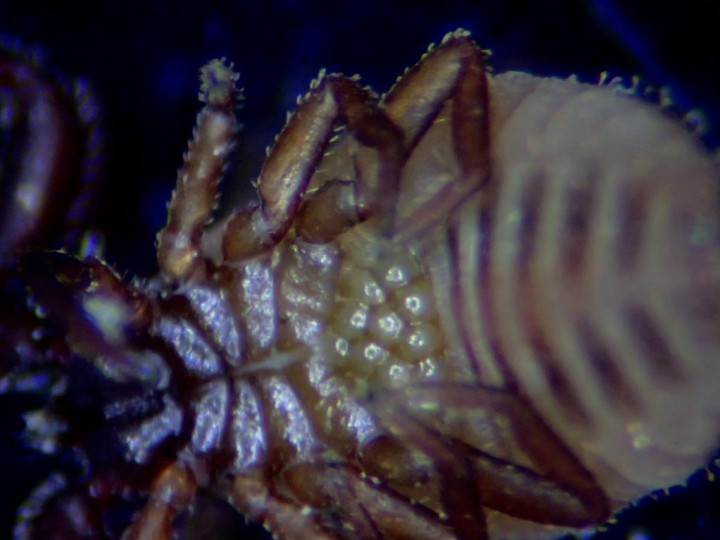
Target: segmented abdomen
[587, 277]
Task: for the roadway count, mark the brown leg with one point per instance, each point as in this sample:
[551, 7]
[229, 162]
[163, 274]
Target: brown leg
[282, 518]
[387, 133]
[289, 167]
[452, 73]
[450, 486]
[455, 70]
[328, 212]
[356, 507]
[442, 106]
[563, 492]
[193, 201]
[448, 87]
[171, 493]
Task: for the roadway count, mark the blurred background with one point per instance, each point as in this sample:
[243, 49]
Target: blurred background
[141, 59]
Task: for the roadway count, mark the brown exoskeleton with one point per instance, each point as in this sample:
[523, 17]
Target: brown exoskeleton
[449, 315]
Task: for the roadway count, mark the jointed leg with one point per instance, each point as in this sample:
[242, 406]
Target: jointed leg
[346, 502]
[442, 106]
[289, 167]
[454, 71]
[283, 519]
[432, 130]
[195, 195]
[563, 492]
[386, 131]
[171, 493]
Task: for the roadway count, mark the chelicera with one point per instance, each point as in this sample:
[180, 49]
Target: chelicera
[392, 342]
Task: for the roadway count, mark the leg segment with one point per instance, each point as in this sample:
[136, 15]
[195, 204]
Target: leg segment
[193, 201]
[171, 493]
[358, 508]
[289, 167]
[447, 87]
[453, 71]
[442, 107]
[282, 518]
[563, 492]
[450, 76]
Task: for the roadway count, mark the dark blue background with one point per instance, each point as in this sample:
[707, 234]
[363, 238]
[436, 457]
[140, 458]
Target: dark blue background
[142, 58]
